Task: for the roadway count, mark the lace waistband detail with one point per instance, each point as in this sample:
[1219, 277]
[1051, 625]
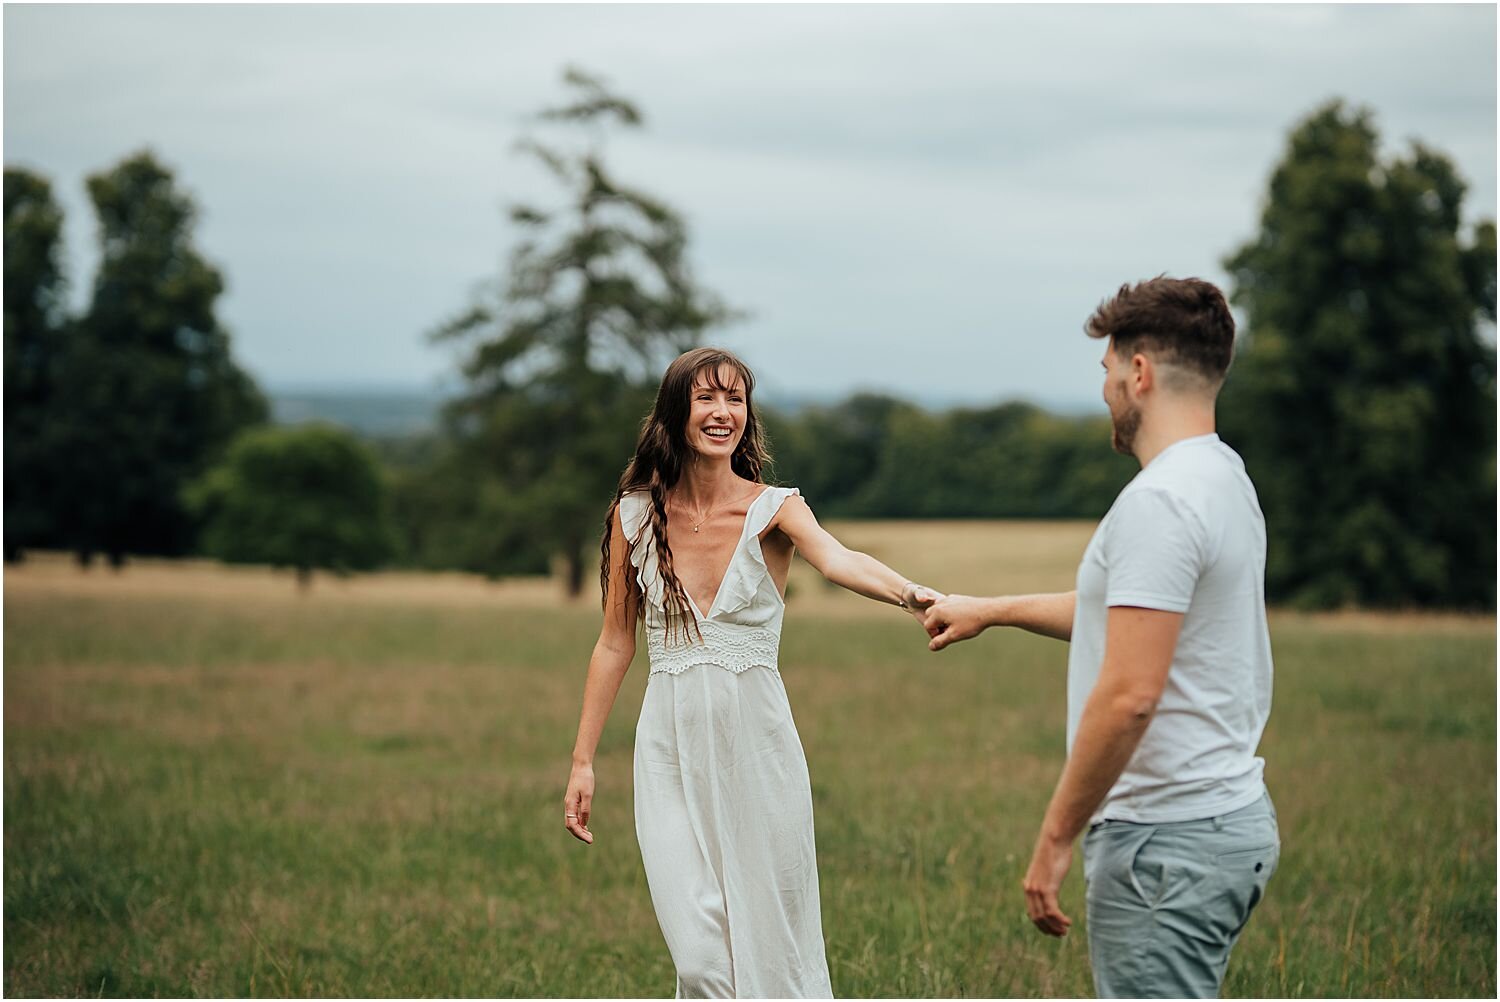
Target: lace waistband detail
[737, 650]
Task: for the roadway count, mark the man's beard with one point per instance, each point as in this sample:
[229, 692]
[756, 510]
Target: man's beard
[1124, 428]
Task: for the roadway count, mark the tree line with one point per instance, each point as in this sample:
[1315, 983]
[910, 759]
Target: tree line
[109, 412]
[1362, 396]
[870, 456]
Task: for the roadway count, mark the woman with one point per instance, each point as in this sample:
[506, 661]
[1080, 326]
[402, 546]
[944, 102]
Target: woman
[698, 548]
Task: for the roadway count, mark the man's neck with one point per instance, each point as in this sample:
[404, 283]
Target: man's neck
[1169, 424]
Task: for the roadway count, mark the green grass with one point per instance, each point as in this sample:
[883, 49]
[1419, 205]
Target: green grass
[207, 796]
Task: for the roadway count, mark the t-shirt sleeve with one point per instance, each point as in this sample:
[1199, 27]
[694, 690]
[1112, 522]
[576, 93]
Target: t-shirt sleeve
[1154, 550]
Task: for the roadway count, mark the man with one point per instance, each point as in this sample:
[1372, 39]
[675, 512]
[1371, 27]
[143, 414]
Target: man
[1169, 668]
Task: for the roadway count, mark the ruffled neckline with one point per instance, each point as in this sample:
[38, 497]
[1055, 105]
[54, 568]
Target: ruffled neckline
[743, 578]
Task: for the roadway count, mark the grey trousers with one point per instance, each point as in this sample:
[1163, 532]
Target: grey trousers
[1167, 902]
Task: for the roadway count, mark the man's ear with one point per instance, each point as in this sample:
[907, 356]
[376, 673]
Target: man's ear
[1142, 373]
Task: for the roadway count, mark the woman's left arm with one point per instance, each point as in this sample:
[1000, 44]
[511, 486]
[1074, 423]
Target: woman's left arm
[858, 572]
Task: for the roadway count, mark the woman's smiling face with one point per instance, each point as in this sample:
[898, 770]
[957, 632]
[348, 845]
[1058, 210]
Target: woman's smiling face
[717, 411]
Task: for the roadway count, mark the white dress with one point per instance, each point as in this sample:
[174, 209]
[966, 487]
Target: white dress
[723, 807]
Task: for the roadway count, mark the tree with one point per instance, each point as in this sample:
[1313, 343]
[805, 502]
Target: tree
[307, 497]
[1363, 397]
[153, 395]
[830, 452]
[565, 350]
[447, 520]
[34, 330]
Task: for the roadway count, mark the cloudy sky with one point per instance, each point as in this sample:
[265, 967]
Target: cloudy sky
[926, 200]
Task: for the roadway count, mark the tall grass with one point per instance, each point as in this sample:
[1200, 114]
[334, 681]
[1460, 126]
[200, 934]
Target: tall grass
[211, 795]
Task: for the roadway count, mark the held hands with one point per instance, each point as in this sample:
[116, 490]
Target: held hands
[576, 803]
[952, 618]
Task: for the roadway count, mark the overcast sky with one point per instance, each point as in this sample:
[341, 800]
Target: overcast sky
[926, 200]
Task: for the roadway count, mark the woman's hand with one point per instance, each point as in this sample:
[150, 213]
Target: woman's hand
[917, 599]
[576, 803]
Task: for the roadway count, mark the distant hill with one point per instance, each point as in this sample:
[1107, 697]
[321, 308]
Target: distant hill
[373, 412]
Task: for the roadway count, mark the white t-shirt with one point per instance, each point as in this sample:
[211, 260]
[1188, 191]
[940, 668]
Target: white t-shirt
[1186, 535]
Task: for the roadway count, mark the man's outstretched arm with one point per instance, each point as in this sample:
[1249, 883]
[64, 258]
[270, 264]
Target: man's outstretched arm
[959, 617]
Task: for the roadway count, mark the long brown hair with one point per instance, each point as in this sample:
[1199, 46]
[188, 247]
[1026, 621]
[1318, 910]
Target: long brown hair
[661, 452]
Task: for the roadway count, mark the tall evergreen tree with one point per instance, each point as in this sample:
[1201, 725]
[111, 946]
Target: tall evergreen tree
[34, 330]
[564, 352]
[1363, 398]
[153, 394]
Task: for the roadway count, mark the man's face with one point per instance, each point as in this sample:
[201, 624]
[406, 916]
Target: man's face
[1124, 414]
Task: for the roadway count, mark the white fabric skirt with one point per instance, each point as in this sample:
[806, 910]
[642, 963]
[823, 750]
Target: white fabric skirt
[723, 813]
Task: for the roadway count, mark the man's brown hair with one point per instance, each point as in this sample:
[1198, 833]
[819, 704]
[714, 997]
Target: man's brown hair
[1179, 321]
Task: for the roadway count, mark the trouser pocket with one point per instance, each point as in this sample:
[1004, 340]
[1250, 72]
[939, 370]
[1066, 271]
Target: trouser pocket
[1242, 875]
[1110, 856]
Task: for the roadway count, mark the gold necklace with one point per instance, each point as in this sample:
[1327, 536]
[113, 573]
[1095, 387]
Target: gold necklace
[704, 517]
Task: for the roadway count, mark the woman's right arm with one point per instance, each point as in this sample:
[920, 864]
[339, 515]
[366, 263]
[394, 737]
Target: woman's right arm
[612, 655]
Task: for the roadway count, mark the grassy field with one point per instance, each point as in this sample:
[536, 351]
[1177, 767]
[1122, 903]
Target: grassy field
[214, 786]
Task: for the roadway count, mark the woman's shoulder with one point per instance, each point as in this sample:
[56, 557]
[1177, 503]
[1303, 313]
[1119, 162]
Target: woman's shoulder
[772, 502]
[633, 507]
[774, 490]
[779, 494]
